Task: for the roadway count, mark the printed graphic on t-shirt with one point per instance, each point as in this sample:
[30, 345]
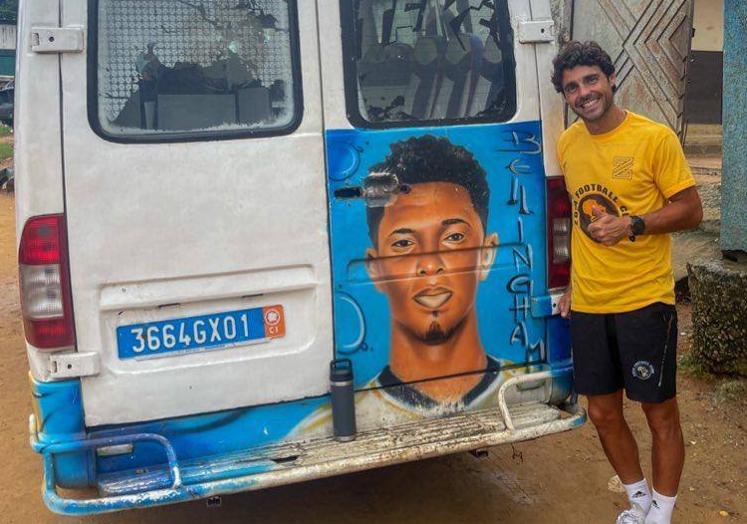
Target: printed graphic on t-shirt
[622, 167]
[589, 197]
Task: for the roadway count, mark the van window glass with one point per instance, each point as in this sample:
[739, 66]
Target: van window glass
[428, 61]
[195, 67]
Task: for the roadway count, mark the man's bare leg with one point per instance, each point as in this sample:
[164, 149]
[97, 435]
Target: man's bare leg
[668, 453]
[606, 413]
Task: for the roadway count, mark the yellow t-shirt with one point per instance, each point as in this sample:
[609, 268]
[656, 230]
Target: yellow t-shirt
[631, 170]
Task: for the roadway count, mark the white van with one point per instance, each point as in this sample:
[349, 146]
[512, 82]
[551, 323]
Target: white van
[218, 199]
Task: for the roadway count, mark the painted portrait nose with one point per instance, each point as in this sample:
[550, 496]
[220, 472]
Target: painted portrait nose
[430, 264]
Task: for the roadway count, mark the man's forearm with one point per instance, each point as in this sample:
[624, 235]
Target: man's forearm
[681, 213]
[684, 211]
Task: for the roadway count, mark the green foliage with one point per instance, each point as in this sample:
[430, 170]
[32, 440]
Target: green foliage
[6, 151]
[692, 366]
[731, 390]
[5, 130]
[9, 10]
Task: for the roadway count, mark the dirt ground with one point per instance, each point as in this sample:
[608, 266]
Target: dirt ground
[558, 479]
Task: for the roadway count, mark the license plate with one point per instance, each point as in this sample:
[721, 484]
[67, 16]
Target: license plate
[217, 330]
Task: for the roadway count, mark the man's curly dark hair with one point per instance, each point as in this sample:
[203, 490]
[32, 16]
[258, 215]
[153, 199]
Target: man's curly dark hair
[576, 53]
[423, 159]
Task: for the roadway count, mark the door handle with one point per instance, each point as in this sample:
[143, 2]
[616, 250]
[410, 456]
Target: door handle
[378, 190]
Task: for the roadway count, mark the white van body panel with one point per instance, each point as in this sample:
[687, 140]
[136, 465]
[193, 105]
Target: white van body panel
[37, 132]
[330, 42]
[527, 103]
[246, 238]
[551, 103]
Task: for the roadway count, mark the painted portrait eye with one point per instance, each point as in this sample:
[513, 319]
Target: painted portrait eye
[403, 243]
[454, 237]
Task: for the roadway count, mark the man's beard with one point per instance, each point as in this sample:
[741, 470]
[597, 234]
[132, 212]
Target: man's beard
[436, 334]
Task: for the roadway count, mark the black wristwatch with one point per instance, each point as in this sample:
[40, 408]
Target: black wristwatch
[637, 227]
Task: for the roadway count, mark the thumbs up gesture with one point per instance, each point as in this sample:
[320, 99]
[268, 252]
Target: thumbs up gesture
[608, 229]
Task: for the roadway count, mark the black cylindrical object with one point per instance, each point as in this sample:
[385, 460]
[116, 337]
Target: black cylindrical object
[343, 399]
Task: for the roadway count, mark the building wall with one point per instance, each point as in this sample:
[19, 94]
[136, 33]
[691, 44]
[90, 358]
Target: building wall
[709, 25]
[7, 36]
[703, 97]
[703, 104]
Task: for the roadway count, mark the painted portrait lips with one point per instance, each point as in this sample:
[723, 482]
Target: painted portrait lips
[433, 297]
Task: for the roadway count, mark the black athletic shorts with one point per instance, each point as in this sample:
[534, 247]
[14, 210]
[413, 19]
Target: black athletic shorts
[634, 350]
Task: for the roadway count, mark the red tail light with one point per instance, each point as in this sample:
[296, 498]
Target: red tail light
[45, 286]
[558, 233]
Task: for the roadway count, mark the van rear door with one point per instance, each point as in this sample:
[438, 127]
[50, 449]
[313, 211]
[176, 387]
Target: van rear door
[437, 187]
[195, 205]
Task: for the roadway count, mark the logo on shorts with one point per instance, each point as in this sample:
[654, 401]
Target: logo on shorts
[643, 370]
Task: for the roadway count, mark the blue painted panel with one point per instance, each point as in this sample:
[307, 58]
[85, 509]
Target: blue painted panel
[559, 341]
[510, 157]
[209, 434]
[59, 418]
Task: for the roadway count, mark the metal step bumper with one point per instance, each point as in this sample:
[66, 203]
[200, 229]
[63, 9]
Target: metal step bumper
[298, 461]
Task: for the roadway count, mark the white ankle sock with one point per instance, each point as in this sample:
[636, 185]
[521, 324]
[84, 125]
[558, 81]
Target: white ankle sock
[639, 494]
[661, 509]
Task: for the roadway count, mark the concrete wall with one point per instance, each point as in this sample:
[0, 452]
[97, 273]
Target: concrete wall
[734, 175]
[709, 25]
[7, 36]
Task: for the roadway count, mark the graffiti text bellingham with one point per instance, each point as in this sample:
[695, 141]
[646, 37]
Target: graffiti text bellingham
[521, 284]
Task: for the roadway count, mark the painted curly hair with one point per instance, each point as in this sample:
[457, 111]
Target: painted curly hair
[427, 158]
[576, 53]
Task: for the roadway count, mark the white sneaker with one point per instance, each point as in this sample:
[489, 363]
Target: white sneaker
[634, 515]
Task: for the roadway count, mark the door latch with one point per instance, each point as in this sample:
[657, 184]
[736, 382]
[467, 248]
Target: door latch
[379, 190]
[536, 31]
[57, 39]
[546, 306]
[73, 365]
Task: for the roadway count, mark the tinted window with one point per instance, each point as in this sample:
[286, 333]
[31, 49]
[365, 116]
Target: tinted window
[428, 61]
[195, 67]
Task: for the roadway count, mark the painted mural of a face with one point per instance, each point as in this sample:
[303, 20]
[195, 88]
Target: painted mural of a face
[430, 251]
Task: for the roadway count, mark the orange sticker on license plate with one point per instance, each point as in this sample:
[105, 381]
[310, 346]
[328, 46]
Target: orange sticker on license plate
[274, 320]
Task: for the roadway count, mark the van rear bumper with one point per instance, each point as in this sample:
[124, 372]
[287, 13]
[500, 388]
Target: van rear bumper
[298, 461]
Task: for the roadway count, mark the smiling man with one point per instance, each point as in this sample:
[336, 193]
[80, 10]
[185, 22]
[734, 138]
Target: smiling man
[430, 251]
[630, 187]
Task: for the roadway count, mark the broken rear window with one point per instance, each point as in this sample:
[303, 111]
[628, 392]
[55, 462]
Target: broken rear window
[428, 62]
[195, 67]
